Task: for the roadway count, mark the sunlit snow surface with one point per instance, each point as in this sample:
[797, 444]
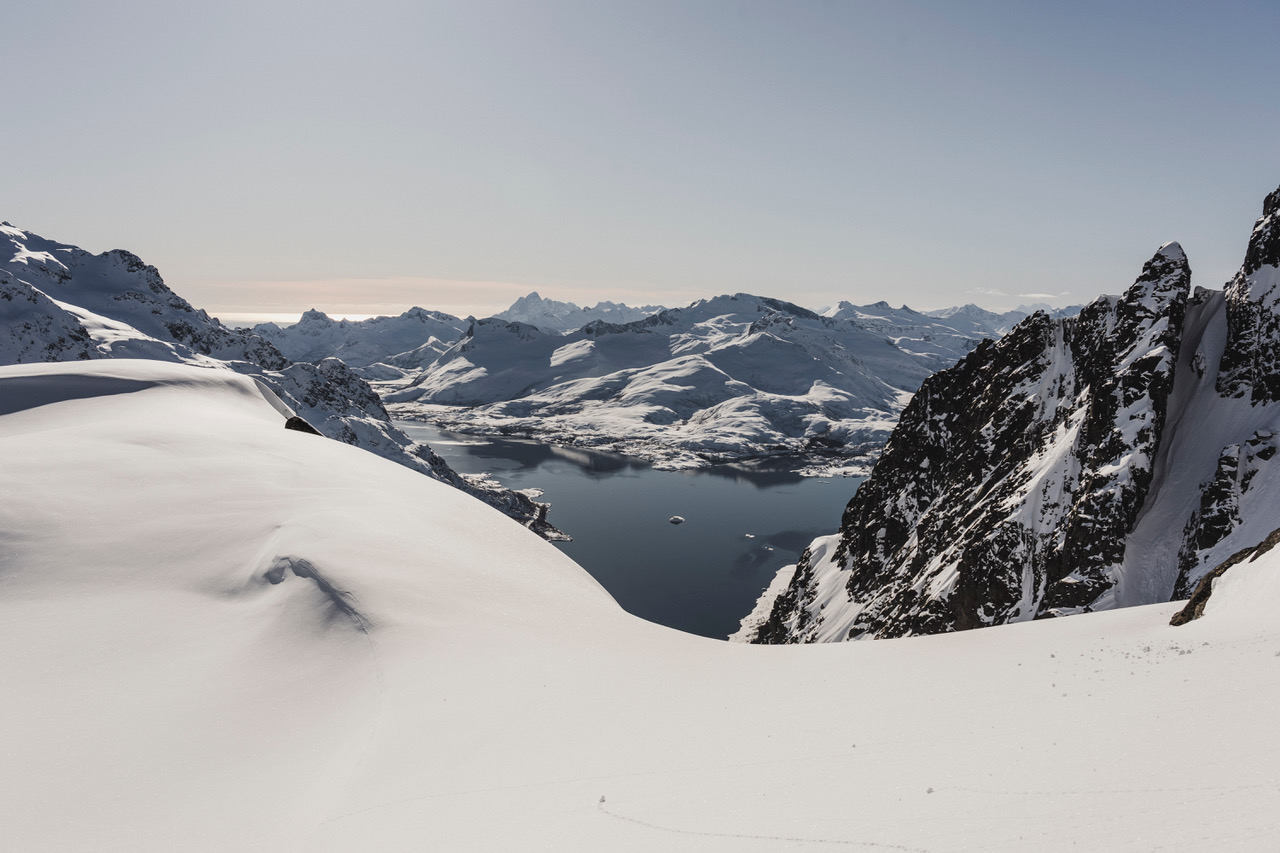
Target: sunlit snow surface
[425, 674]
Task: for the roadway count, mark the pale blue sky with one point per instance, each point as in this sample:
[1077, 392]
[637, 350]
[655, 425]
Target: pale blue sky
[365, 157]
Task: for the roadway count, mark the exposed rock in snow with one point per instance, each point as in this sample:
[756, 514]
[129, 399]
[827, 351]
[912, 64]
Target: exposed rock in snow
[1204, 589]
[1251, 361]
[1075, 465]
[60, 303]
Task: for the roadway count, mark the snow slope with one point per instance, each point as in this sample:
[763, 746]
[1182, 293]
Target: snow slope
[217, 634]
[732, 377]
[59, 302]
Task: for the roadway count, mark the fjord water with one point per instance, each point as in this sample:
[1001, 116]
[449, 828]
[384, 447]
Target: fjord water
[742, 522]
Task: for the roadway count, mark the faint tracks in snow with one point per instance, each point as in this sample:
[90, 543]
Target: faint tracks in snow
[1090, 792]
[746, 836]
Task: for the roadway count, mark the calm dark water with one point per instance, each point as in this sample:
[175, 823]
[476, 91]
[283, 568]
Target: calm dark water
[742, 523]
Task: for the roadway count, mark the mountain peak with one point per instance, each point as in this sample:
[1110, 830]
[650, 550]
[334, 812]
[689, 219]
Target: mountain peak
[1264, 243]
[1167, 272]
[1270, 204]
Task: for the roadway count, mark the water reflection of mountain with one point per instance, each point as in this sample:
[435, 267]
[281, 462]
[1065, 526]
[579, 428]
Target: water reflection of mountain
[743, 522]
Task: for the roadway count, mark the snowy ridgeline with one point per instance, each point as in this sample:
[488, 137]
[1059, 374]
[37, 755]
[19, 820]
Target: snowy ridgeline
[61, 303]
[219, 634]
[732, 377]
[728, 378]
[1075, 465]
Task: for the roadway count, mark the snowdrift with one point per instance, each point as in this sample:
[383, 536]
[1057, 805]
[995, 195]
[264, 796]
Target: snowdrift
[219, 634]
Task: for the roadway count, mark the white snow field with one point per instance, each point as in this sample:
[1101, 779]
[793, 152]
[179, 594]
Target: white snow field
[217, 634]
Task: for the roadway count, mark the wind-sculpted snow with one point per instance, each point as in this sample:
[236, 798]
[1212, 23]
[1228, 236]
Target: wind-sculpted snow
[61, 303]
[726, 378]
[1007, 488]
[1086, 464]
[218, 634]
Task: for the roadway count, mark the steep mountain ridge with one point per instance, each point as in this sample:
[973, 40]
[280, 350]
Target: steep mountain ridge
[61, 303]
[1074, 465]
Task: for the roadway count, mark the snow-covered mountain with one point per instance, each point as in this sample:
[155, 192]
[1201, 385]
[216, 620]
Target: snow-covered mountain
[550, 315]
[61, 303]
[725, 378]
[218, 634]
[360, 343]
[948, 334]
[992, 324]
[1075, 465]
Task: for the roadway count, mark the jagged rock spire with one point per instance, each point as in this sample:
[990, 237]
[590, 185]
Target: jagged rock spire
[1251, 360]
[1011, 481]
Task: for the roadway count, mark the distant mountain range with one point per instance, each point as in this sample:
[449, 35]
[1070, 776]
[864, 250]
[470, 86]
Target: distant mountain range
[361, 343]
[734, 377]
[61, 303]
[1078, 464]
[729, 378]
[552, 316]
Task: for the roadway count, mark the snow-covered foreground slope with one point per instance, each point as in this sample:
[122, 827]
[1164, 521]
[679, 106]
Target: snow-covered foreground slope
[61, 303]
[218, 634]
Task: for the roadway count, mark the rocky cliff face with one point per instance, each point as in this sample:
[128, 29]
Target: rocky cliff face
[1074, 465]
[1251, 362]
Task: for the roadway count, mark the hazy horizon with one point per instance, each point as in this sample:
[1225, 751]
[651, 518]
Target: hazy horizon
[248, 319]
[271, 157]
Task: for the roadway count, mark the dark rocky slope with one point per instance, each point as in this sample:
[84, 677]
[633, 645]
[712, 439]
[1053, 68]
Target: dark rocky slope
[1074, 465]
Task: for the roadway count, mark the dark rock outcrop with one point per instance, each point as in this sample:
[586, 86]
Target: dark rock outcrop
[1204, 589]
[1251, 361]
[1085, 464]
[1008, 486]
